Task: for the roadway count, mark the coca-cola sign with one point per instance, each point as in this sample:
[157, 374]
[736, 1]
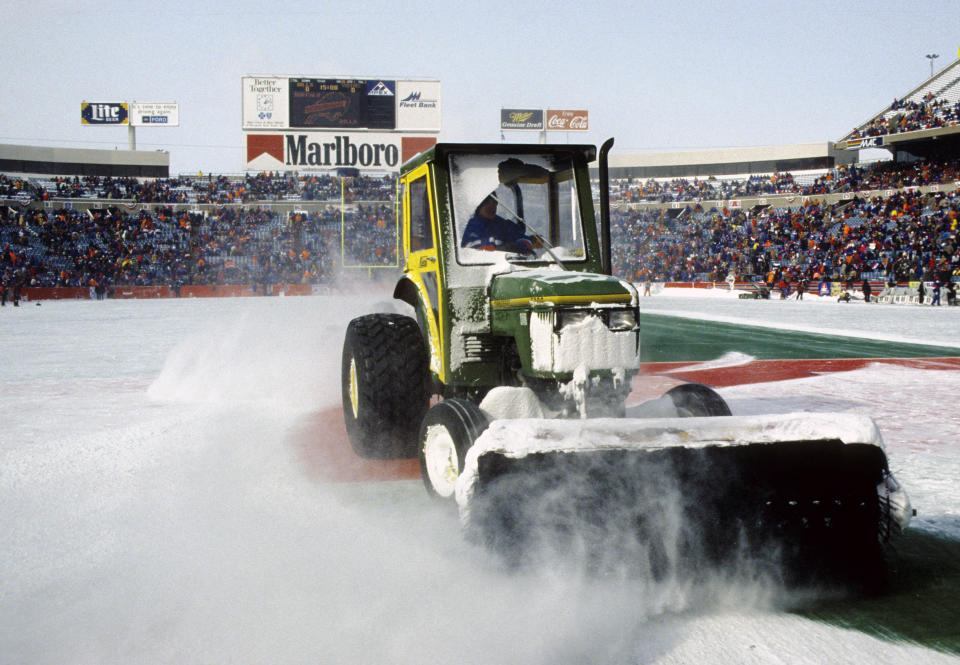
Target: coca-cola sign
[567, 121]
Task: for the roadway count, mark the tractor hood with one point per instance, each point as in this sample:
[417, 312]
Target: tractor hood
[526, 288]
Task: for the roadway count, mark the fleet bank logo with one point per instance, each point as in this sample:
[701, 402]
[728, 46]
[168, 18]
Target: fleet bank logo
[415, 100]
[295, 150]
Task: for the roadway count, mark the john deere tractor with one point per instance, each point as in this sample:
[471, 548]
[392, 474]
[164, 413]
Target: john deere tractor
[550, 319]
[511, 344]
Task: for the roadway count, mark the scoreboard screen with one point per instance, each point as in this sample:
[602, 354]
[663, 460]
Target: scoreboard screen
[342, 104]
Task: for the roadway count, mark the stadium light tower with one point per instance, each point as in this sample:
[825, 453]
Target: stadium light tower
[931, 57]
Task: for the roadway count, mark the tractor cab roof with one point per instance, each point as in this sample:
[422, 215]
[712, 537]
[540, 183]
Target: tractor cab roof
[440, 151]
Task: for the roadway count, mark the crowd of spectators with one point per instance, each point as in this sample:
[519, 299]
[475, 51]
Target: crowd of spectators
[269, 186]
[226, 244]
[930, 112]
[908, 236]
[844, 178]
[902, 237]
[251, 188]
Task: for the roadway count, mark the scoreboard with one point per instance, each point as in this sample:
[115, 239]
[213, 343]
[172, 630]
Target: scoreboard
[340, 104]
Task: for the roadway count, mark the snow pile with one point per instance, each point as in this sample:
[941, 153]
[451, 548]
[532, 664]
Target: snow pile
[505, 402]
[523, 437]
[518, 438]
[729, 359]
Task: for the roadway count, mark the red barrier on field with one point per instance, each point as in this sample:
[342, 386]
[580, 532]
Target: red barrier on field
[812, 287]
[233, 291]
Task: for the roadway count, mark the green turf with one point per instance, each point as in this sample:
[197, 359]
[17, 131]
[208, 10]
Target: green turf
[672, 339]
[921, 603]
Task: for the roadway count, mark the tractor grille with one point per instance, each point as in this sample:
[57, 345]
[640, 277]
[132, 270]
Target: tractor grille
[480, 348]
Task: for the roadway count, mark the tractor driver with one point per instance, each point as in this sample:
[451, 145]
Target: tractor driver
[489, 231]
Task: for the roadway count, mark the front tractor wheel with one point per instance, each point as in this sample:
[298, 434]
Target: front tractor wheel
[447, 432]
[384, 379]
[696, 399]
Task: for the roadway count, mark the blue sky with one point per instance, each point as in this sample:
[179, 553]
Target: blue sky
[657, 76]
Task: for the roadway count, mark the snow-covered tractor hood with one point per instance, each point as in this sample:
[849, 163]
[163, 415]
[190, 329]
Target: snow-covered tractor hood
[546, 287]
[566, 322]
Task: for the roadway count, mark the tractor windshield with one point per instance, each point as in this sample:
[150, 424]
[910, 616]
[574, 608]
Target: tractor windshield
[525, 206]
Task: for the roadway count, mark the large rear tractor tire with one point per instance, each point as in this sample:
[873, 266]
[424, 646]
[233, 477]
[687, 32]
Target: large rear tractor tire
[384, 380]
[446, 434]
[696, 399]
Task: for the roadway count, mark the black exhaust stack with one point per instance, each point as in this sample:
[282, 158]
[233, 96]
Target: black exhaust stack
[605, 208]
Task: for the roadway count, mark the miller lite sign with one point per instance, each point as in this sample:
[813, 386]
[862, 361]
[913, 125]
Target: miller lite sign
[104, 113]
[567, 121]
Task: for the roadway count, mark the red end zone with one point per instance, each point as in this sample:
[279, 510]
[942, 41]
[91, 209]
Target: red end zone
[320, 439]
[762, 371]
[321, 442]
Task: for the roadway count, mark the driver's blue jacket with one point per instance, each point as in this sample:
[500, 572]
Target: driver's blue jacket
[495, 234]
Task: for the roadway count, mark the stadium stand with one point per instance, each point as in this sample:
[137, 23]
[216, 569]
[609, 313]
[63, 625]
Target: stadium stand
[893, 222]
[904, 237]
[934, 104]
[925, 122]
[175, 231]
[845, 178]
[89, 231]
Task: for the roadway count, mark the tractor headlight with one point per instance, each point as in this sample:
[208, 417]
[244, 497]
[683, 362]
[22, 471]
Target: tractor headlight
[622, 319]
[569, 317]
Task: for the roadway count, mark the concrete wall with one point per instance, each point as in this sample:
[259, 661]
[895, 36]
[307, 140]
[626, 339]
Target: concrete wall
[83, 161]
[724, 161]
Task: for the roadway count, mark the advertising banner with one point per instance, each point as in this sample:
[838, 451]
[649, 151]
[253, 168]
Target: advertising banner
[265, 102]
[104, 113]
[567, 121]
[284, 102]
[864, 142]
[418, 105]
[521, 119]
[303, 151]
[164, 114]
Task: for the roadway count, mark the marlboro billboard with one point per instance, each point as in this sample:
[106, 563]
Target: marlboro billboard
[303, 151]
[567, 121]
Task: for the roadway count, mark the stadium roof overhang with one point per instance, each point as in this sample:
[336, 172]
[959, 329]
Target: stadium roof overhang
[724, 161]
[940, 143]
[935, 143]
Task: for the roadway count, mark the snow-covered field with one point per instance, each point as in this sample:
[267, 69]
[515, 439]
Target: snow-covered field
[898, 323]
[155, 509]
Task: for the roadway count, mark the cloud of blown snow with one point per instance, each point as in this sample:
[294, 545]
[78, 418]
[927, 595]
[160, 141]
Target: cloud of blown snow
[280, 353]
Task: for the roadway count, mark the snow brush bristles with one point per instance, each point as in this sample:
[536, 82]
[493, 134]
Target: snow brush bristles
[810, 493]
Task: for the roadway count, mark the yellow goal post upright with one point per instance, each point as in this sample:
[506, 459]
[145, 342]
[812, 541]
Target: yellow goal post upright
[370, 267]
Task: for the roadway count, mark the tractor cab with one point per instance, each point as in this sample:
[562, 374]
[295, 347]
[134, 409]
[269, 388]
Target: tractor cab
[526, 207]
[502, 250]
